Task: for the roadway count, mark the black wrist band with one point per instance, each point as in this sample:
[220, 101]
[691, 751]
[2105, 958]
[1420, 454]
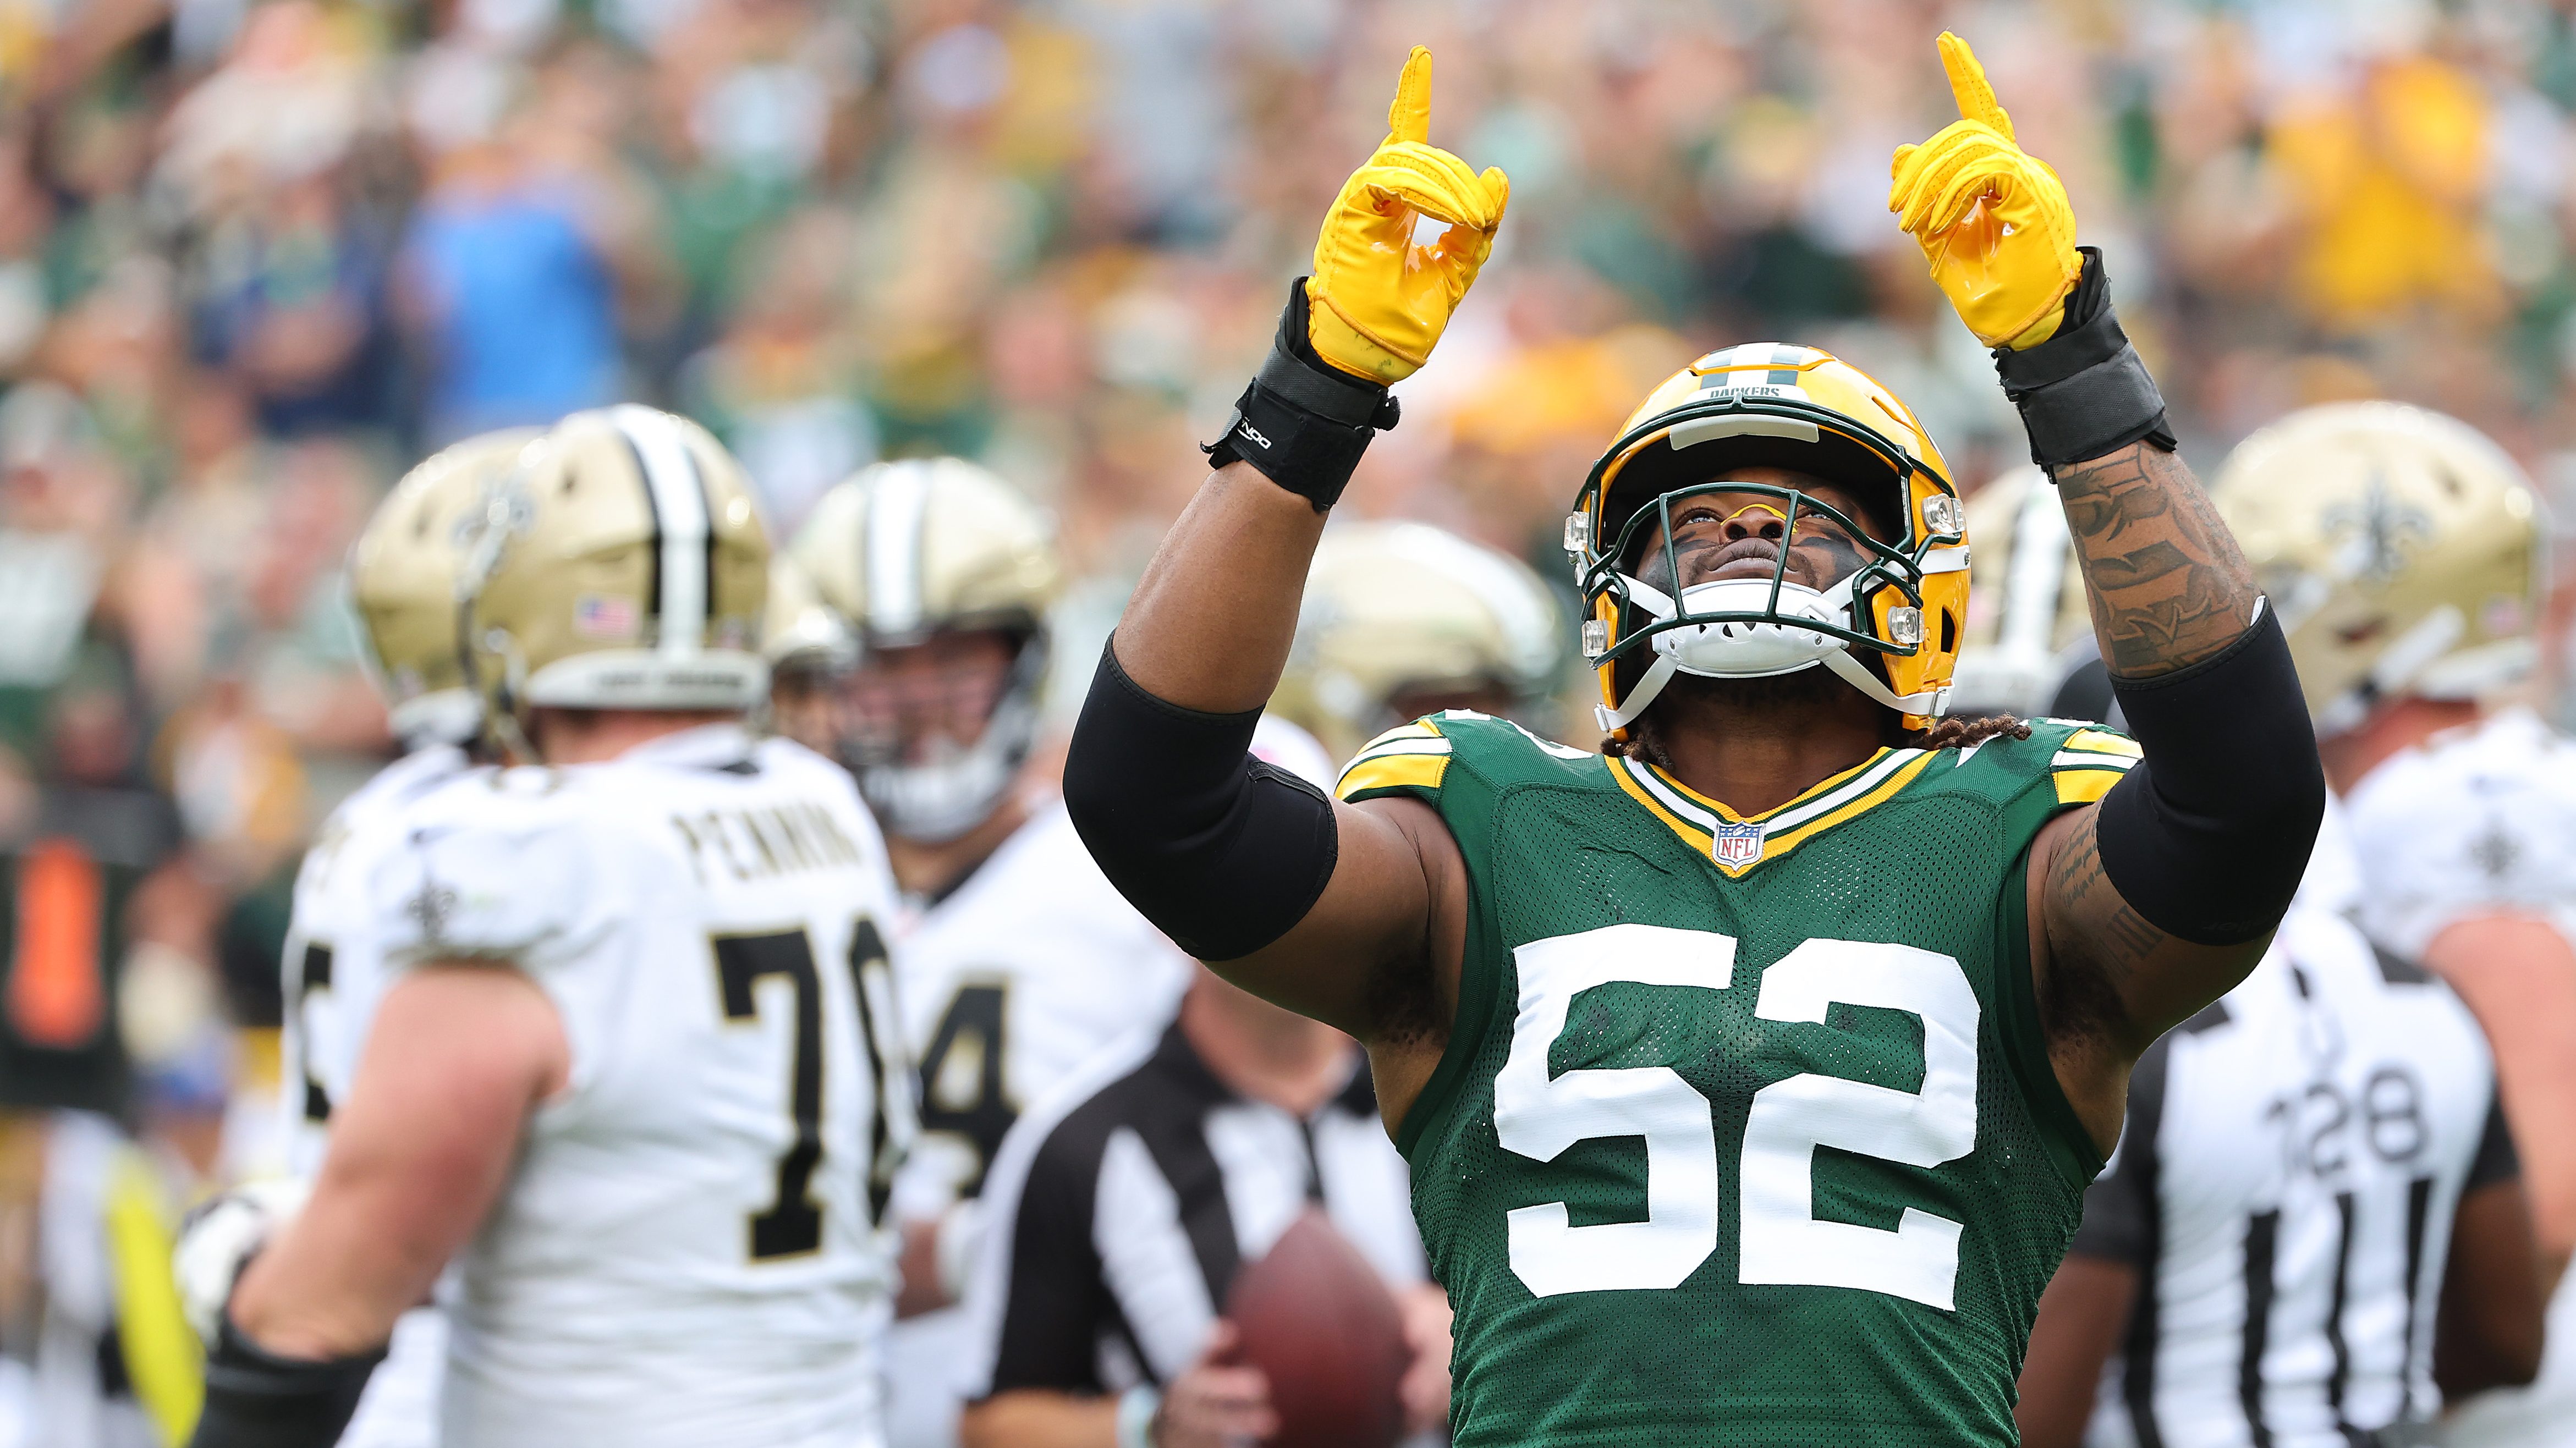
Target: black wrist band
[2083, 392]
[256, 1399]
[1303, 422]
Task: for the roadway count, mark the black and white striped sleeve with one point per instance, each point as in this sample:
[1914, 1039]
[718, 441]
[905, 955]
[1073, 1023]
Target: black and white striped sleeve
[1042, 1329]
[1044, 1299]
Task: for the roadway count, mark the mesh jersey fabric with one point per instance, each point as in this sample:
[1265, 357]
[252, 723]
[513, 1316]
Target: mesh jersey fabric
[1758, 1317]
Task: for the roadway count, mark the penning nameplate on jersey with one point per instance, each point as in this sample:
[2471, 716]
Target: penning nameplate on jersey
[1730, 1097]
[690, 1249]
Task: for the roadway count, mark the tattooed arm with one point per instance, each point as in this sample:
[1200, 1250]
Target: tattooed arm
[2168, 590]
[2166, 583]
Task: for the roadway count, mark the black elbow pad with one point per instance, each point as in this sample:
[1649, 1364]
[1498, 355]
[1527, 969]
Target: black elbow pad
[2207, 837]
[1222, 851]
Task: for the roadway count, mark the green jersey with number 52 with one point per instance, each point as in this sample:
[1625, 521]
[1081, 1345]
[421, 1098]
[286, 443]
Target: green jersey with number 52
[1745, 1132]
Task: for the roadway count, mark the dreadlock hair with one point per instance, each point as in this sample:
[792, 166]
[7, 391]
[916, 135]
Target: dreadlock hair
[1966, 731]
[1963, 732]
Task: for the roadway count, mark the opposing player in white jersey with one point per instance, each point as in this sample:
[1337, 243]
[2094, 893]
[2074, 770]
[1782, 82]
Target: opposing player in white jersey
[634, 1067]
[2406, 553]
[2314, 1228]
[1018, 961]
[402, 584]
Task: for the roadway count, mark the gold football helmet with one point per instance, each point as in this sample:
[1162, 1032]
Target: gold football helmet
[403, 574]
[1768, 404]
[808, 648]
[1403, 618]
[2405, 551]
[621, 565]
[918, 556]
[798, 631]
[2028, 620]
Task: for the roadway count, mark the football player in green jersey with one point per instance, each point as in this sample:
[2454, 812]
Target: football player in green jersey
[1751, 1070]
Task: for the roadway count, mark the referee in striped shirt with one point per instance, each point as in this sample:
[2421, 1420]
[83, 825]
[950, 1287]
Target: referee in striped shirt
[2313, 1231]
[1117, 1216]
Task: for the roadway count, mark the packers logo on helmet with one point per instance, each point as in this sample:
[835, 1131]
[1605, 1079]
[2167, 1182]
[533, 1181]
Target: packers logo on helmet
[1772, 405]
[403, 574]
[2405, 551]
[621, 565]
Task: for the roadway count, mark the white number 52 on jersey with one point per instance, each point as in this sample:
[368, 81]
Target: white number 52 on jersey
[1781, 1242]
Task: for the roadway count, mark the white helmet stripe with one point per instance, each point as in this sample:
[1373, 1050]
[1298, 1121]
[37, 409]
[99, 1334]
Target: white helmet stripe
[898, 503]
[2035, 582]
[680, 513]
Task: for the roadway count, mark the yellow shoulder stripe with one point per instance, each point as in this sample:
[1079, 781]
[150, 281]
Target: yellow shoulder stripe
[1392, 771]
[2099, 741]
[2084, 786]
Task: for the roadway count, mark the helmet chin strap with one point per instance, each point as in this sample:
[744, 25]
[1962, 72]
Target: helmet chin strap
[1857, 674]
[1852, 671]
[1649, 687]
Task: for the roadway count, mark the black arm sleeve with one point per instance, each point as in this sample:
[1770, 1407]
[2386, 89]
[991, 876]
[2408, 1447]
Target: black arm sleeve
[255, 1399]
[2207, 837]
[1223, 852]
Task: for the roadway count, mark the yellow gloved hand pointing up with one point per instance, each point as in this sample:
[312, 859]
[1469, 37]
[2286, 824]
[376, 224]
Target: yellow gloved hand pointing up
[1378, 302]
[1993, 220]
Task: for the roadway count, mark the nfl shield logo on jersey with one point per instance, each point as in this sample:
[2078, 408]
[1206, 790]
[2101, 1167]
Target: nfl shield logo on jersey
[1735, 845]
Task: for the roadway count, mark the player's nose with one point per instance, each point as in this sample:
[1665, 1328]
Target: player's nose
[1752, 523]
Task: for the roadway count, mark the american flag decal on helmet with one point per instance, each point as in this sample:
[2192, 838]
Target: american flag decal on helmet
[598, 617]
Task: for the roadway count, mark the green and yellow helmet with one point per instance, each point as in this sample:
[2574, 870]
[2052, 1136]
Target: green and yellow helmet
[403, 573]
[1770, 404]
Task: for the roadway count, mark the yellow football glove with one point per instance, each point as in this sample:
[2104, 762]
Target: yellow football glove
[1993, 220]
[1377, 302]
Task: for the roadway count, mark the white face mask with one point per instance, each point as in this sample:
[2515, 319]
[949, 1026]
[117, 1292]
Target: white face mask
[956, 787]
[1751, 650]
[954, 790]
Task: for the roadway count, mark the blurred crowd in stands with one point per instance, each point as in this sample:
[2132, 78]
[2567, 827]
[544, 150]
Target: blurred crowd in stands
[257, 256]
